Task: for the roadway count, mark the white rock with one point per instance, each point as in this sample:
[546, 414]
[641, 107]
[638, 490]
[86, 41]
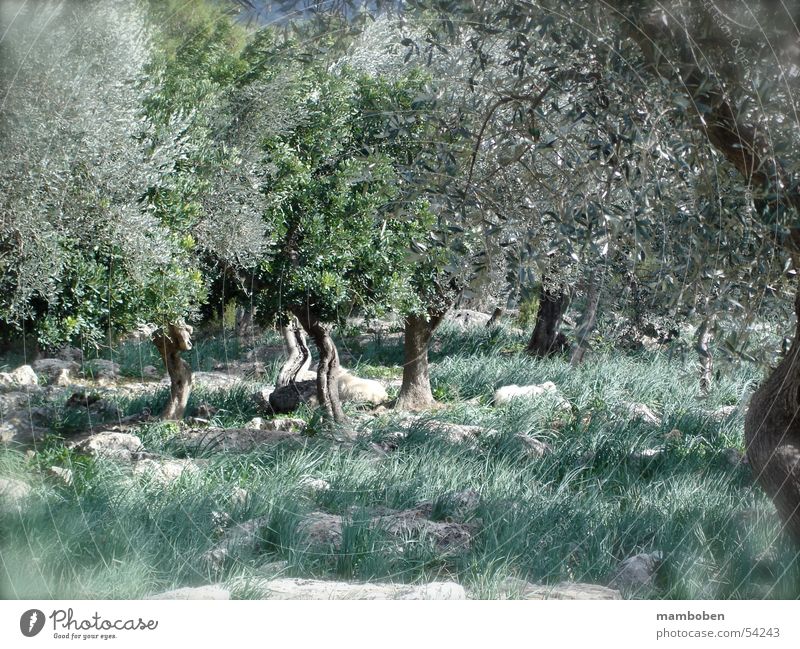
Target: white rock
[722, 413]
[22, 376]
[13, 492]
[466, 318]
[120, 446]
[200, 592]
[314, 589]
[647, 454]
[642, 412]
[315, 484]
[239, 496]
[101, 368]
[213, 380]
[55, 369]
[165, 471]
[563, 590]
[534, 447]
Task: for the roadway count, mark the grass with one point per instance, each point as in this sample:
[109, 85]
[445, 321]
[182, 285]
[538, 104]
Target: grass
[573, 514]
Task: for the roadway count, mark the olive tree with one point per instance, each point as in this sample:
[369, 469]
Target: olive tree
[82, 258]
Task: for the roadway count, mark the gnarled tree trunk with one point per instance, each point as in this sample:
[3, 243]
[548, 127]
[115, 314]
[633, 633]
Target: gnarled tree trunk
[705, 360]
[772, 428]
[415, 392]
[170, 342]
[772, 436]
[328, 370]
[588, 320]
[545, 340]
[299, 356]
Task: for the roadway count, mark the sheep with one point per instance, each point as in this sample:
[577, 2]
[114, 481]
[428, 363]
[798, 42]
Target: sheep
[353, 388]
[504, 395]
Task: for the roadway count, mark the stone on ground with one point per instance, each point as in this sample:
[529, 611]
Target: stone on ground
[109, 444]
[564, 590]
[239, 440]
[13, 492]
[636, 571]
[200, 592]
[21, 377]
[314, 589]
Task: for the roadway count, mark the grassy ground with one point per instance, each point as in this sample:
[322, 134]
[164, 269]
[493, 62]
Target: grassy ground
[571, 515]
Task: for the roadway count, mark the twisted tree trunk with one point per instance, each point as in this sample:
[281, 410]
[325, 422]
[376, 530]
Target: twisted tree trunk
[415, 392]
[705, 360]
[772, 435]
[588, 320]
[772, 428]
[545, 339]
[328, 369]
[170, 342]
[299, 356]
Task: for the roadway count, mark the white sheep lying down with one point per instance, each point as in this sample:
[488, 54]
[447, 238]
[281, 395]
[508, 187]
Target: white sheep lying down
[507, 393]
[353, 388]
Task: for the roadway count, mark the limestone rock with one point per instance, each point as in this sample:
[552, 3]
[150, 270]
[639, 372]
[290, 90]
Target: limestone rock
[312, 589]
[321, 529]
[165, 472]
[13, 492]
[20, 377]
[453, 432]
[239, 496]
[103, 369]
[647, 454]
[534, 447]
[213, 591]
[56, 370]
[23, 425]
[636, 571]
[109, 444]
[563, 590]
[237, 439]
[11, 401]
[261, 399]
[723, 413]
[68, 353]
[214, 380]
[241, 539]
[315, 484]
[639, 411]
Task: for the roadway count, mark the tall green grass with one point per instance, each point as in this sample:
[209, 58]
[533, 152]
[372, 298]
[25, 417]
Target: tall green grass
[573, 514]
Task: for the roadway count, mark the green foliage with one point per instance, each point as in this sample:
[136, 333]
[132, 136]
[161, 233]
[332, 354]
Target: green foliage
[81, 259]
[332, 192]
